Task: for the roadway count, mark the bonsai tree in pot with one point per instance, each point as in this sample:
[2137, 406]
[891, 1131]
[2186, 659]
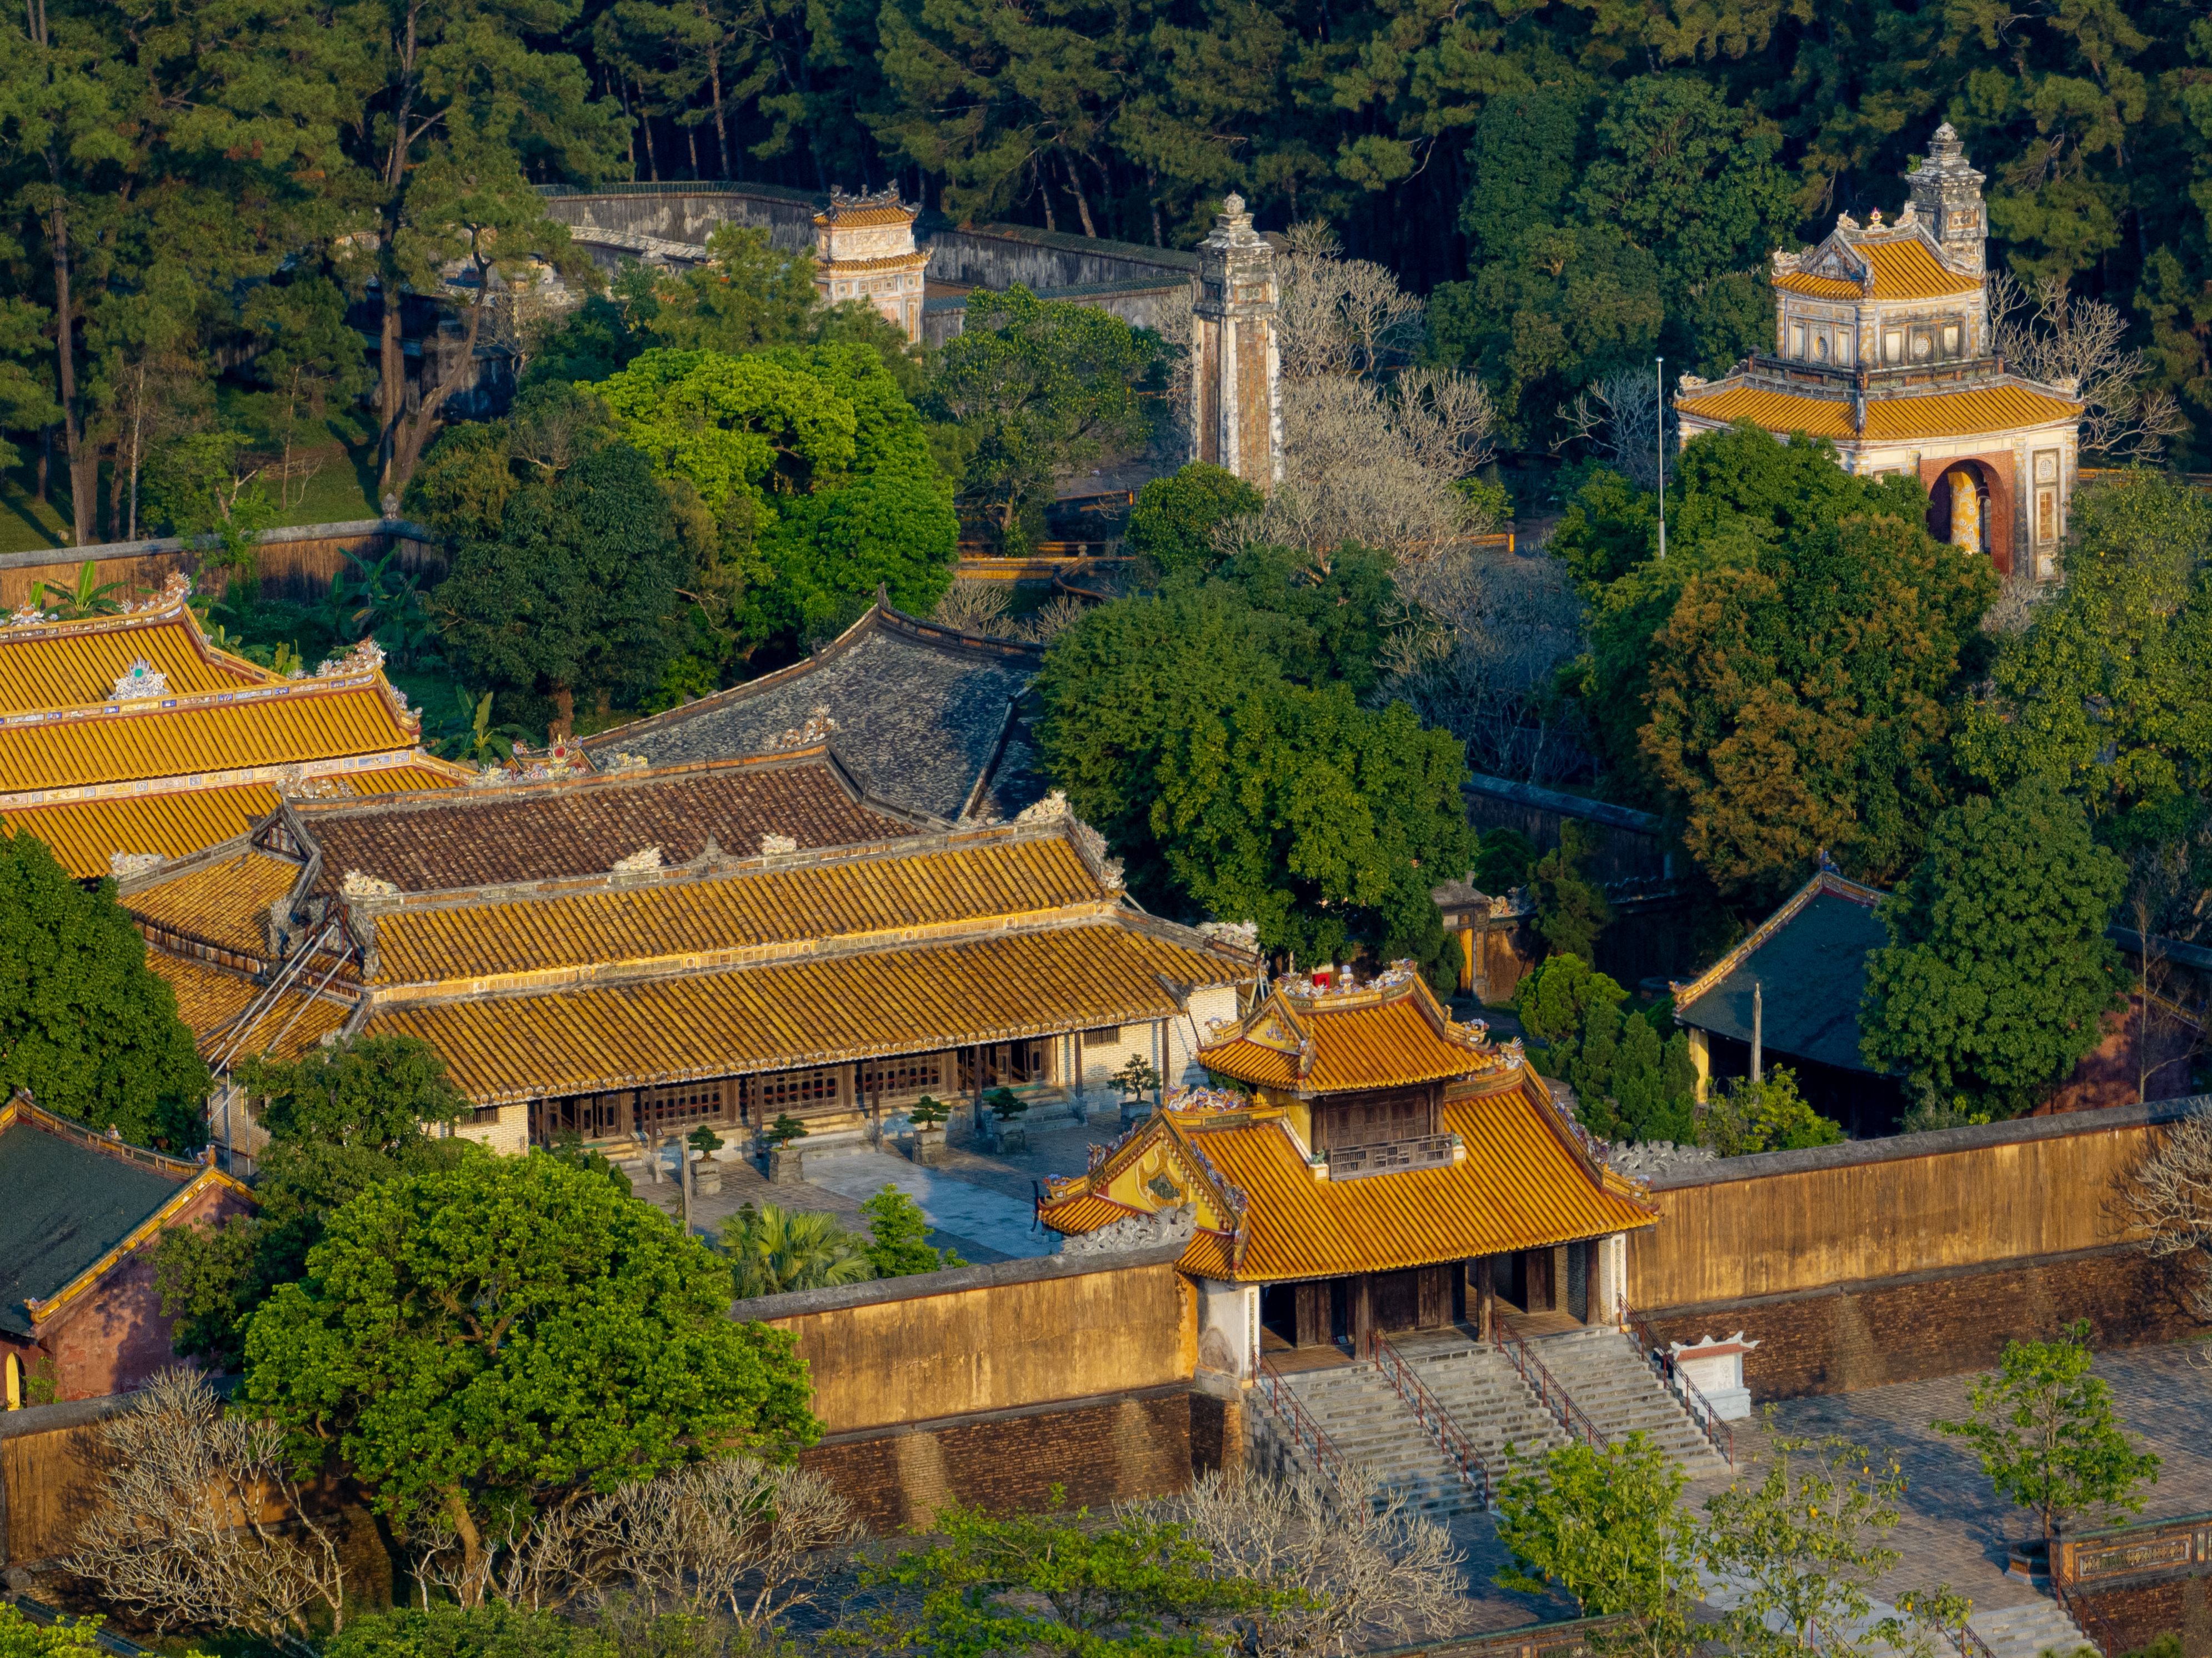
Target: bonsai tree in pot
[776, 1140]
[929, 1116]
[1135, 1080]
[1007, 1110]
[706, 1173]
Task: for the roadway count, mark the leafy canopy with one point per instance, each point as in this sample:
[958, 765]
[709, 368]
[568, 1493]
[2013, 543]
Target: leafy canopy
[1767, 1116]
[1173, 521]
[1605, 1526]
[1997, 972]
[477, 1340]
[85, 1024]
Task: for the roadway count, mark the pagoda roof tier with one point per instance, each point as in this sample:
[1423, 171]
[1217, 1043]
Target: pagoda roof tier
[927, 716]
[1522, 1178]
[582, 825]
[1891, 417]
[988, 986]
[1897, 266]
[49, 663]
[1388, 1033]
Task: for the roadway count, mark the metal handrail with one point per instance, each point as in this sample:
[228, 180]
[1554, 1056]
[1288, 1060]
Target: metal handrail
[1304, 1430]
[1971, 1645]
[1717, 1433]
[2084, 1615]
[1553, 1398]
[1429, 1411]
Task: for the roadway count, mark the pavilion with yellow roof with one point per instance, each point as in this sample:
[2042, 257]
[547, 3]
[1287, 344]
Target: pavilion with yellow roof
[1882, 346]
[1379, 1167]
[128, 740]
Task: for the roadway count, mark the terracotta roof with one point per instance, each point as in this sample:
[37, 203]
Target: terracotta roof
[85, 834]
[1902, 268]
[921, 713]
[1388, 1035]
[426, 774]
[1895, 419]
[212, 999]
[223, 901]
[570, 827]
[838, 267]
[62, 663]
[1000, 988]
[277, 725]
[715, 918]
[1524, 1183]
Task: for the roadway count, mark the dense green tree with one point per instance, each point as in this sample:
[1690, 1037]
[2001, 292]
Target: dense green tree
[308, 356]
[1503, 861]
[1173, 521]
[479, 1341]
[1042, 387]
[1555, 996]
[575, 592]
[1997, 972]
[898, 1237]
[1608, 1527]
[774, 1251]
[2108, 691]
[1806, 701]
[1767, 1115]
[85, 1024]
[339, 1119]
[1348, 608]
[1571, 907]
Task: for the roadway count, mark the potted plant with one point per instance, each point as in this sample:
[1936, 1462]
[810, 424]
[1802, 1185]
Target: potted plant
[783, 1163]
[927, 1116]
[1007, 1109]
[1135, 1080]
[706, 1173]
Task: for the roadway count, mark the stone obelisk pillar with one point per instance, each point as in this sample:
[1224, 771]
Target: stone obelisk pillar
[1236, 363]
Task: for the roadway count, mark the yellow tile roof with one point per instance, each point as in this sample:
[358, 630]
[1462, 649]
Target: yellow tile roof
[852, 217]
[64, 664]
[1001, 988]
[211, 999]
[225, 902]
[1388, 1035]
[86, 833]
[1523, 1184]
[893, 892]
[1889, 420]
[1905, 268]
[276, 726]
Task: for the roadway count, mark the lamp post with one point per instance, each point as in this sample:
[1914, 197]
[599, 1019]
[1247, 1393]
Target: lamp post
[1659, 370]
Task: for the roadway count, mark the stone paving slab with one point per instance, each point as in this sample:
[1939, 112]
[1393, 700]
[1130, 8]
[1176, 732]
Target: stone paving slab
[960, 1207]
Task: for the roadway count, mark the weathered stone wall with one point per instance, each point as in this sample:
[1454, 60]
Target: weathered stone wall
[1924, 1325]
[1626, 843]
[1787, 1223]
[48, 1463]
[2136, 1614]
[1098, 1452]
[297, 565]
[690, 213]
[997, 255]
[983, 1339]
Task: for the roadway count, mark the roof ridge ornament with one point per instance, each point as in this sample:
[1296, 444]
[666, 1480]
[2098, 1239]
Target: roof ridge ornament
[140, 681]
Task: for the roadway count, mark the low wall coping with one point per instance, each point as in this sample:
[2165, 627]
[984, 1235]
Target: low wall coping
[916, 1286]
[54, 1418]
[1567, 805]
[1940, 1143]
[405, 530]
[1065, 241]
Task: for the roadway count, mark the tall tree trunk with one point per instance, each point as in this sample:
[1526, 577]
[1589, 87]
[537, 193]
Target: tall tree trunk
[83, 466]
[1152, 191]
[46, 458]
[412, 435]
[691, 134]
[391, 365]
[564, 724]
[1082, 203]
[721, 132]
[645, 124]
[1044, 192]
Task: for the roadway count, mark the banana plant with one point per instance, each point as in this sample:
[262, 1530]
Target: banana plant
[90, 596]
[471, 736]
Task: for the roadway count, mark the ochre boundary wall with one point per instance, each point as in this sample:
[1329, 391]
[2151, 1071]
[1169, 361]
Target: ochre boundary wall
[1898, 1260]
[49, 1461]
[1019, 1333]
[297, 565]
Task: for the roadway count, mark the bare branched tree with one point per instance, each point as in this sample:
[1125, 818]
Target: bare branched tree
[974, 606]
[1618, 417]
[1483, 641]
[2170, 1202]
[1340, 316]
[2015, 605]
[197, 1519]
[1364, 1569]
[2081, 345]
[1053, 618]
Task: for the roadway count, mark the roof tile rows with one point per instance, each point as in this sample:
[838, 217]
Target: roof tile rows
[68, 663]
[1888, 419]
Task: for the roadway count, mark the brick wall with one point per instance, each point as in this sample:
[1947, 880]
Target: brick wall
[2138, 1613]
[1099, 1450]
[1930, 1324]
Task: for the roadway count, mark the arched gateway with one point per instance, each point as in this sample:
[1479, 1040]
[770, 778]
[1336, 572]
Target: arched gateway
[1881, 344]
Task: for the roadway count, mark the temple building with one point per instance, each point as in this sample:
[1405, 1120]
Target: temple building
[1382, 1169]
[639, 953]
[128, 739]
[930, 718]
[1882, 346]
[864, 250]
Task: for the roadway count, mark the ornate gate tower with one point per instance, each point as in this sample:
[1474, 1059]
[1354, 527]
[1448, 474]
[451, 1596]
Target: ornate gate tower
[1236, 364]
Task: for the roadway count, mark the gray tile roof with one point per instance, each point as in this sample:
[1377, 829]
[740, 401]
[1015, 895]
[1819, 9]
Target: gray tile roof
[1809, 961]
[923, 714]
[62, 1205]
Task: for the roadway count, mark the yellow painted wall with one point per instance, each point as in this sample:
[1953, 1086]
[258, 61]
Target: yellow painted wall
[1010, 1344]
[1781, 1233]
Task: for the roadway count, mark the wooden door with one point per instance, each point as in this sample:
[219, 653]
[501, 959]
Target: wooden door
[1433, 1297]
[1313, 1315]
[1398, 1300]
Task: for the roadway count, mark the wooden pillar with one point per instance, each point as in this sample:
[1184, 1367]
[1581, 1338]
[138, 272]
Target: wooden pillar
[1363, 1315]
[1485, 1299]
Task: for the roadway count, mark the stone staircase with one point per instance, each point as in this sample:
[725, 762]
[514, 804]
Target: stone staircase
[1371, 1427]
[1488, 1401]
[1604, 1374]
[2029, 1632]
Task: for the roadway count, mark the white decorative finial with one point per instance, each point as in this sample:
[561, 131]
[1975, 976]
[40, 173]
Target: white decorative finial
[140, 680]
[1233, 205]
